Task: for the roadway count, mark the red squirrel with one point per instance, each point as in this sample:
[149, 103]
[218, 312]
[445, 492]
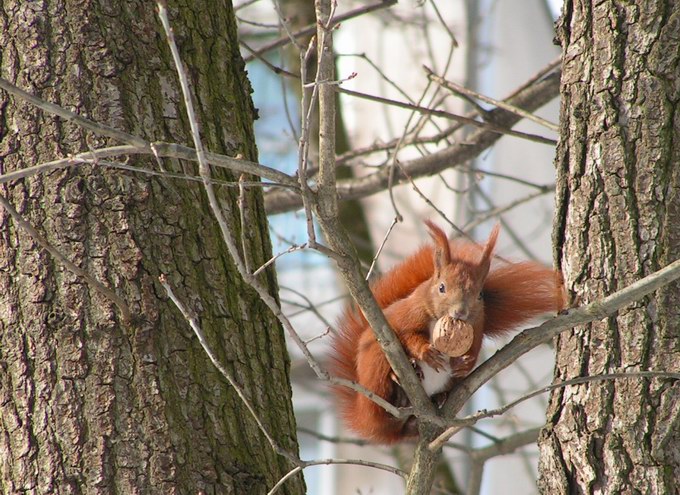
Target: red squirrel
[448, 278]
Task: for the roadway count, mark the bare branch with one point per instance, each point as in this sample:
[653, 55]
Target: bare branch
[530, 98]
[309, 306]
[267, 63]
[500, 447]
[382, 245]
[489, 125]
[271, 260]
[244, 213]
[81, 159]
[311, 29]
[512, 178]
[436, 138]
[357, 462]
[135, 145]
[506, 445]
[308, 105]
[67, 115]
[483, 414]
[283, 22]
[494, 212]
[457, 88]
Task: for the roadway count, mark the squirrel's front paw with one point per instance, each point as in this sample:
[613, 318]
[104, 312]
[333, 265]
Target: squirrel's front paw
[435, 359]
[461, 366]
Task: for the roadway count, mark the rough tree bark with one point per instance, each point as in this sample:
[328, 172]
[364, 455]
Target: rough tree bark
[617, 221]
[89, 403]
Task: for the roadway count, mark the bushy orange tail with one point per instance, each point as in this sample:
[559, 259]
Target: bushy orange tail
[516, 293]
[361, 414]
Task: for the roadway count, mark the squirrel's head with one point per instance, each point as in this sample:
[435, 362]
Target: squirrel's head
[458, 279]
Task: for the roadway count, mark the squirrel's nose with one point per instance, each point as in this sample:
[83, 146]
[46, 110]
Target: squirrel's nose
[459, 313]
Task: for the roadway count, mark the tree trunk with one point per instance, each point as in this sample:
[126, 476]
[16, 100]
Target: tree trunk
[89, 403]
[617, 220]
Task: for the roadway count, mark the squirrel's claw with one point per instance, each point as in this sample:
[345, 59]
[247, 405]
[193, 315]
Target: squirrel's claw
[461, 366]
[434, 358]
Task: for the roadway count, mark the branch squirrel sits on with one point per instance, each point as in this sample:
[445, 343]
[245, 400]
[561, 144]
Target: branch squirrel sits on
[449, 279]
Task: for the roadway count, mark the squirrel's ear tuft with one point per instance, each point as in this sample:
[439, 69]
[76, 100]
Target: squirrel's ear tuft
[487, 254]
[442, 250]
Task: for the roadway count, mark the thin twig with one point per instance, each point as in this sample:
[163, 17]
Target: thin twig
[283, 22]
[89, 279]
[82, 159]
[505, 446]
[382, 245]
[100, 129]
[495, 212]
[507, 228]
[501, 104]
[192, 319]
[308, 105]
[137, 145]
[356, 462]
[267, 63]
[159, 150]
[271, 260]
[518, 180]
[431, 204]
[380, 72]
[244, 212]
[394, 162]
[529, 97]
[243, 20]
[490, 126]
[444, 24]
[537, 79]
[312, 307]
[311, 29]
[483, 414]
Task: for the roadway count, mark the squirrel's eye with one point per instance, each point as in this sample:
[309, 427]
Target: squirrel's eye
[481, 296]
[442, 288]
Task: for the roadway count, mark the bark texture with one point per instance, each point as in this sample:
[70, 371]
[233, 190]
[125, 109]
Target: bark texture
[618, 211]
[89, 404]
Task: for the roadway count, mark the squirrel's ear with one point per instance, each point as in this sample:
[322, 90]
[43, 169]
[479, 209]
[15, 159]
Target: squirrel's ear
[485, 262]
[442, 250]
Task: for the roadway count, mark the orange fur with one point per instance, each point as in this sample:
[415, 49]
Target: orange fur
[411, 298]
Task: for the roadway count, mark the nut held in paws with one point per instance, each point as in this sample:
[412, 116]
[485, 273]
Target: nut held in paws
[452, 337]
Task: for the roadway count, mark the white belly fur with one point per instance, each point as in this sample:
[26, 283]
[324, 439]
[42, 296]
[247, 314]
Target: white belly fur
[433, 381]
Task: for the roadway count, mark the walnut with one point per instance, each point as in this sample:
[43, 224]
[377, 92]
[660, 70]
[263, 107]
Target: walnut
[452, 337]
